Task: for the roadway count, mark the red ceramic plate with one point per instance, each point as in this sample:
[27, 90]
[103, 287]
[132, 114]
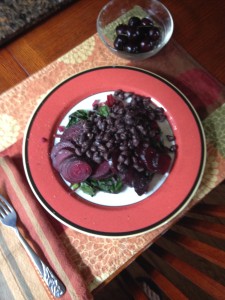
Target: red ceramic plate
[139, 216]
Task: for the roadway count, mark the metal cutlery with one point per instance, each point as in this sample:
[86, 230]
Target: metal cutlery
[8, 217]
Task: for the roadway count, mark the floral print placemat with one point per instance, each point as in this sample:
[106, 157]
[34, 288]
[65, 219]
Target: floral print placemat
[97, 257]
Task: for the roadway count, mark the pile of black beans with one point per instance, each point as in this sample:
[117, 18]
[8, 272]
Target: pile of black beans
[120, 136]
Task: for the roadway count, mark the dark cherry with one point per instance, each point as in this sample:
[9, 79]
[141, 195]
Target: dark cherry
[144, 30]
[139, 35]
[131, 47]
[120, 42]
[146, 45]
[154, 33]
[133, 33]
[147, 22]
[121, 29]
[134, 22]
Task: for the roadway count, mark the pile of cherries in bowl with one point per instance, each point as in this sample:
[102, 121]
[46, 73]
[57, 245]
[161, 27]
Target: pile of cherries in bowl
[137, 36]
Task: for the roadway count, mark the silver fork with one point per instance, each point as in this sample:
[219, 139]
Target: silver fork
[8, 217]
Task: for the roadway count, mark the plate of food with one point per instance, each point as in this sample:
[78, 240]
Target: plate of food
[114, 151]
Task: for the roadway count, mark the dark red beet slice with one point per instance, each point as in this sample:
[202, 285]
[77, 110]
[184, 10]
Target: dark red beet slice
[164, 163]
[141, 183]
[150, 158]
[73, 132]
[138, 180]
[102, 171]
[74, 170]
[60, 157]
[155, 161]
[61, 145]
[110, 100]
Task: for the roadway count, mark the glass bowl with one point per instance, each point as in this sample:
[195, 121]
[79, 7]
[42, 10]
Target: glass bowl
[117, 12]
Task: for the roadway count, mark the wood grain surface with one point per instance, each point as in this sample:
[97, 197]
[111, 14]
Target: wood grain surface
[199, 28]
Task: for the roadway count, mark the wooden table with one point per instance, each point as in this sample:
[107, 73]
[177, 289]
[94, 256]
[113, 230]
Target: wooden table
[199, 28]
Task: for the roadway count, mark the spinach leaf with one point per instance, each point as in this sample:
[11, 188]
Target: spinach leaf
[103, 110]
[110, 185]
[75, 186]
[78, 115]
[88, 189]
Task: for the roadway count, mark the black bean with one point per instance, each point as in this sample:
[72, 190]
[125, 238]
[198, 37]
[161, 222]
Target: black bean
[106, 155]
[123, 136]
[88, 125]
[102, 147]
[113, 115]
[123, 147]
[96, 142]
[129, 120]
[121, 168]
[117, 92]
[95, 130]
[93, 148]
[121, 158]
[127, 161]
[121, 111]
[147, 101]
[138, 167]
[170, 138]
[106, 137]
[117, 136]
[97, 158]
[120, 96]
[151, 115]
[173, 148]
[115, 108]
[159, 110]
[109, 144]
[110, 121]
[161, 118]
[136, 142]
[98, 138]
[89, 154]
[128, 94]
[78, 151]
[131, 145]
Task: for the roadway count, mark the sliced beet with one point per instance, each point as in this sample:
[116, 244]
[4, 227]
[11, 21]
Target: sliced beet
[164, 163]
[73, 132]
[156, 161]
[61, 155]
[150, 158]
[128, 177]
[110, 100]
[141, 183]
[74, 170]
[61, 145]
[102, 171]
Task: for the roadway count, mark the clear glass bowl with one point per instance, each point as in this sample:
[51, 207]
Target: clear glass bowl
[116, 12]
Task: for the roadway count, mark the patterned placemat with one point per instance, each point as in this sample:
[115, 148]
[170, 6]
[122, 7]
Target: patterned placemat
[98, 258]
[17, 16]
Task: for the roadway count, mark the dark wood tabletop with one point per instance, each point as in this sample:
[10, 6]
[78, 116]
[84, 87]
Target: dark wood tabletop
[199, 28]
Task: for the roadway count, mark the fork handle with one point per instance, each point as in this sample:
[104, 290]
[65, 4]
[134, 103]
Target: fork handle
[55, 286]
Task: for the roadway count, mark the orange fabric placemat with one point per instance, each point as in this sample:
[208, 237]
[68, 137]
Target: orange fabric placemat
[97, 258]
[37, 228]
